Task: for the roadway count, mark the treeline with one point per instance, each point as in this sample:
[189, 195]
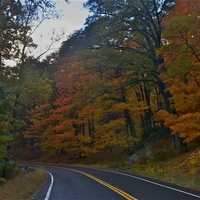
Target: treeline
[130, 76]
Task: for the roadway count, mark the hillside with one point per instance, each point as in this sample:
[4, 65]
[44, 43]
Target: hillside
[123, 91]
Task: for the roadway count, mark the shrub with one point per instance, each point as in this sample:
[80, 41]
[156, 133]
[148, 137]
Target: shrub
[7, 168]
[164, 155]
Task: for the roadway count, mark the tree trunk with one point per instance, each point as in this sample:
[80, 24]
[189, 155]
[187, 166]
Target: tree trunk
[130, 126]
[83, 128]
[179, 145]
[165, 94]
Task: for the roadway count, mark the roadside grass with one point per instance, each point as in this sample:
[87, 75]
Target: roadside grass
[183, 170]
[23, 186]
[160, 172]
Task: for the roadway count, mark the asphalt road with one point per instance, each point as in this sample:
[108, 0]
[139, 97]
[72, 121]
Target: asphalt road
[78, 183]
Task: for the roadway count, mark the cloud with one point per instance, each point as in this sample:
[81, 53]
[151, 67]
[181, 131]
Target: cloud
[72, 17]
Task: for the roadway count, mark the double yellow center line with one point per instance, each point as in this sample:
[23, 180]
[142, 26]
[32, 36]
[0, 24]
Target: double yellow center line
[111, 187]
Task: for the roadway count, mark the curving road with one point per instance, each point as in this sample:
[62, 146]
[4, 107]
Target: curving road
[78, 183]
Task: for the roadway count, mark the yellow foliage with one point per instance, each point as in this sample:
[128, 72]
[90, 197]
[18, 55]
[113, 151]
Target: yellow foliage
[186, 122]
[183, 65]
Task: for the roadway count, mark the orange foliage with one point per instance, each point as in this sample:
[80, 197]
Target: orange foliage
[185, 7]
[183, 70]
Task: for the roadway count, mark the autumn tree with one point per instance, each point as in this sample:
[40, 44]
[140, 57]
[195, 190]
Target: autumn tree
[27, 85]
[17, 23]
[181, 53]
[139, 23]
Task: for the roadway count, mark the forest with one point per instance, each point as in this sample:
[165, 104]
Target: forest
[124, 87]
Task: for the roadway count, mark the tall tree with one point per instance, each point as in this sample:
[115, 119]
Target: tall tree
[181, 53]
[140, 22]
[17, 19]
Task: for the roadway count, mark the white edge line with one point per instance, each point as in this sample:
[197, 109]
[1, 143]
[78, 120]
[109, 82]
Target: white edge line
[131, 176]
[50, 186]
[154, 183]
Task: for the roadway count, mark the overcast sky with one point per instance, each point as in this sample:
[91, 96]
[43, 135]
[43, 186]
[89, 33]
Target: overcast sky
[72, 18]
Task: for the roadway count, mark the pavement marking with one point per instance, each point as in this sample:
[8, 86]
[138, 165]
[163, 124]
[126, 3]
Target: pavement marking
[111, 187]
[154, 183]
[50, 186]
[139, 178]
